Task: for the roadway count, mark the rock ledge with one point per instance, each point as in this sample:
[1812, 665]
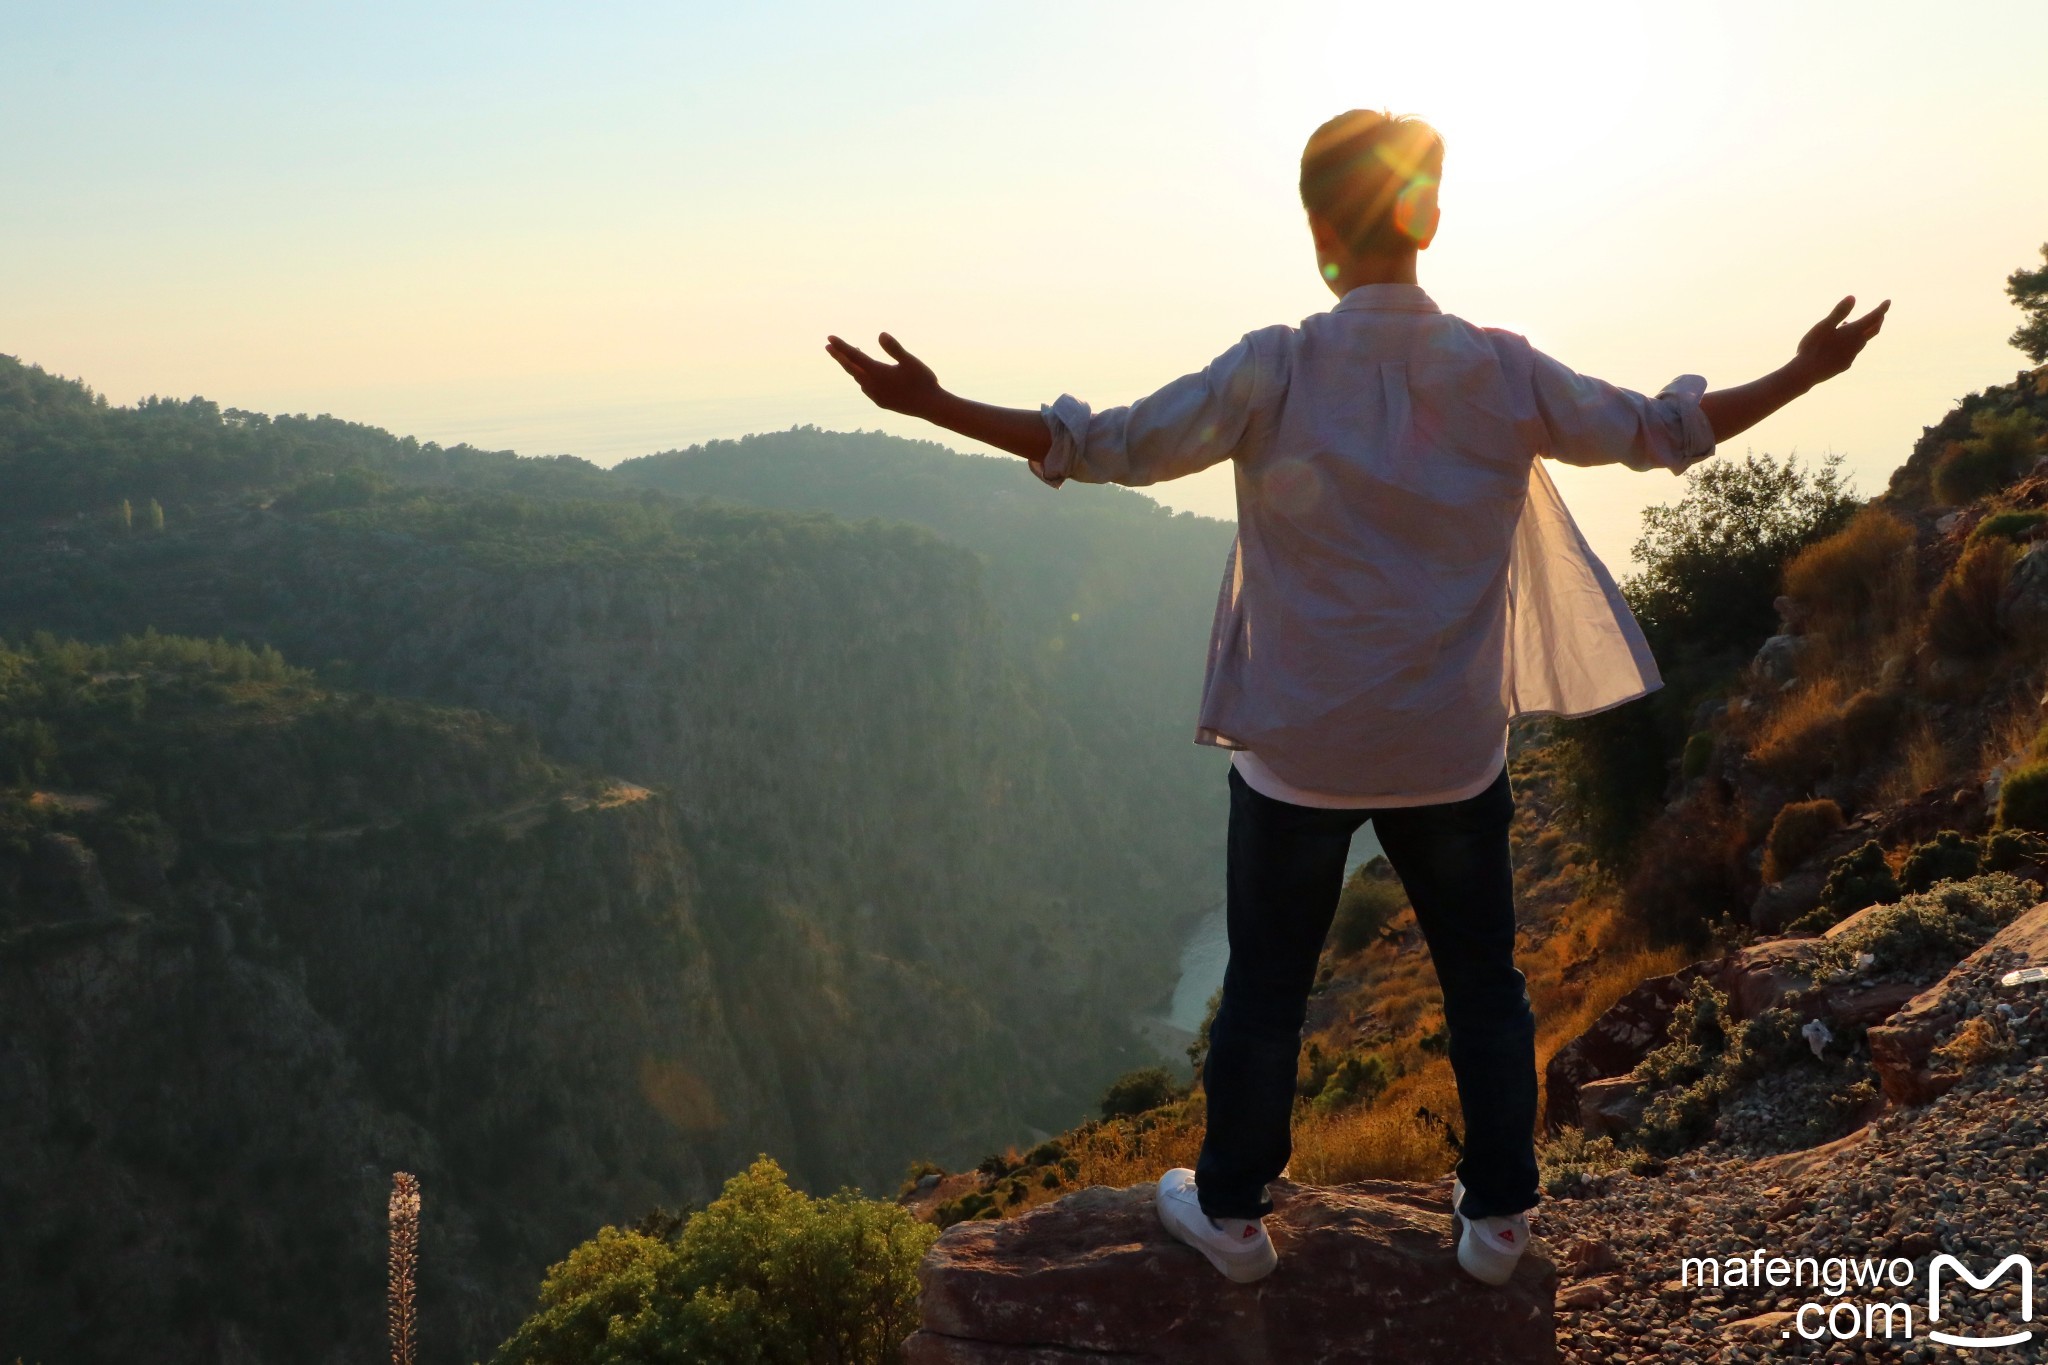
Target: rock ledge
[1367, 1273]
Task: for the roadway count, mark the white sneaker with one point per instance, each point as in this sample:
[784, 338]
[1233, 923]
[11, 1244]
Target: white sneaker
[1488, 1248]
[1243, 1259]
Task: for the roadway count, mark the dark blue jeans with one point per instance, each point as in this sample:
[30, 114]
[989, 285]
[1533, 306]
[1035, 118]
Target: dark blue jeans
[1286, 869]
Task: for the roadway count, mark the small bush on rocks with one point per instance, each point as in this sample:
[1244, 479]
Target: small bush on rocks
[1698, 755]
[2009, 850]
[1680, 1079]
[1857, 879]
[1134, 1092]
[1933, 929]
[2000, 448]
[1799, 830]
[2023, 799]
[1947, 857]
[1979, 1040]
[1962, 617]
[1572, 1163]
[2009, 525]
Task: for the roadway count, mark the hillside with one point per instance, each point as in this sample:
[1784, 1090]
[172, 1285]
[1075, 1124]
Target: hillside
[846, 779]
[262, 943]
[1107, 594]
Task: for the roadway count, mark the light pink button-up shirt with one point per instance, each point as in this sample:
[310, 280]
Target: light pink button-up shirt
[1405, 579]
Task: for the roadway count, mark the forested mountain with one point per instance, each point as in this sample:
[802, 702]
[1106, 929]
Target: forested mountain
[1111, 592]
[895, 891]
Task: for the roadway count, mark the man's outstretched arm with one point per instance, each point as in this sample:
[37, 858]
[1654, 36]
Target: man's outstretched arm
[910, 387]
[1189, 424]
[1829, 347]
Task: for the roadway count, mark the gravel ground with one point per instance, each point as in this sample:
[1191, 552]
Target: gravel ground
[1962, 1175]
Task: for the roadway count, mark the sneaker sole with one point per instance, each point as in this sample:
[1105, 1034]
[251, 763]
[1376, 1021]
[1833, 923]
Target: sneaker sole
[1242, 1270]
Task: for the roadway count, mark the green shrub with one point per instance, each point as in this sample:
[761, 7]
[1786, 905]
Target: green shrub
[2000, 449]
[1356, 1080]
[1947, 857]
[1797, 833]
[1962, 617]
[2008, 526]
[1697, 757]
[1681, 1080]
[1710, 567]
[1932, 929]
[1046, 1153]
[1368, 904]
[1857, 879]
[1707, 1057]
[1134, 1092]
[2009, 850]
[763, 1274]
[2023, 798]
[1571, 1161]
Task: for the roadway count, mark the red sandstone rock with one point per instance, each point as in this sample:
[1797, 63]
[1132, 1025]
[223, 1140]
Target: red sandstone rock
[1367, 1273]
[1767, 974]
[1630, 1029]
[1902, 1048]
[1610, 1106]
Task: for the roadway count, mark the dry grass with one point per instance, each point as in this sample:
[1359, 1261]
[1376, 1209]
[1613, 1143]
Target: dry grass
[1924, 763]
[1962, 616]
[1856, 586]
[2011, 733]
[1575, 973]
[1795, 742]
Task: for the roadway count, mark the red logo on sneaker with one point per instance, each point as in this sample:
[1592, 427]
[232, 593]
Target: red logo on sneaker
[1507, 1234]
[1251, 1230]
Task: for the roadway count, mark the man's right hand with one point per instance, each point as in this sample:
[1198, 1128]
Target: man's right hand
[908, 386]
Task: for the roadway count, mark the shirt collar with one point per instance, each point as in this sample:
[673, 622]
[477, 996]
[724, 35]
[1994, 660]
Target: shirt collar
[1389, 298]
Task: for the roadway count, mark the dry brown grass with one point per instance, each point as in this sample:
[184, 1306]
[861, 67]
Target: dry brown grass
[1796, 740]
[1962, 616]
[2011, 733]
[1856, 586]
[1924, 763]
[1575, 973]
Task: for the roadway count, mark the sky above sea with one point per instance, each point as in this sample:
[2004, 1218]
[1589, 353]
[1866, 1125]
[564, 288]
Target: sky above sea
[608, 230]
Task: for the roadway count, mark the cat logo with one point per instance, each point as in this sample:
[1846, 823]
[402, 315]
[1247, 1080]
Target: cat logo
[2014, 1261]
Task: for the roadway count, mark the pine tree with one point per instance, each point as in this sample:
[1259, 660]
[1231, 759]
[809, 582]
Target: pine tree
[2029, 291]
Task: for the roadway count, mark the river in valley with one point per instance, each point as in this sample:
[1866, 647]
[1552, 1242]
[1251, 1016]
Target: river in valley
[1202, 957]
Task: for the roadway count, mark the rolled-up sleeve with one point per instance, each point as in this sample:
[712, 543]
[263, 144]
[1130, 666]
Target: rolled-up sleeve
[1587, 421]
[1196, 421]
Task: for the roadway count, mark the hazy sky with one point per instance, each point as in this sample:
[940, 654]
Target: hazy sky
[608, 229]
